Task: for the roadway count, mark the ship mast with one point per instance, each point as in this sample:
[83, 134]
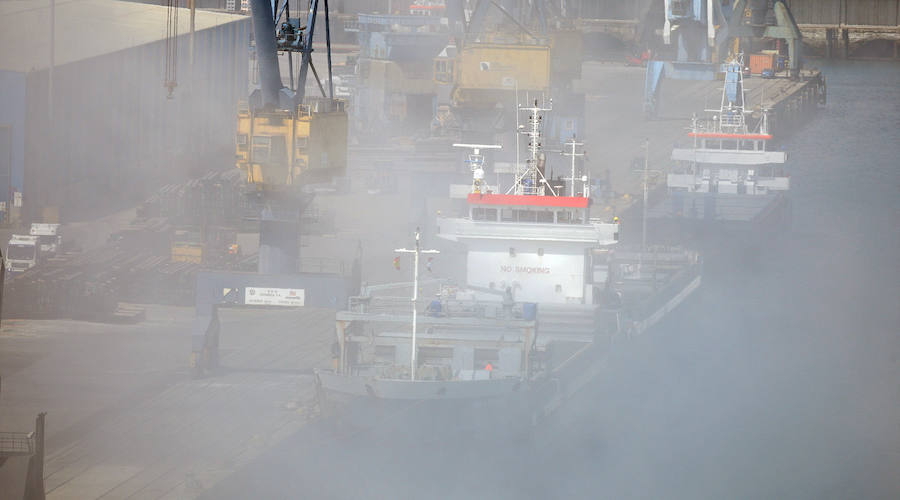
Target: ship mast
[415, 297]
[530, 178]
[573, 153]
[732, 112]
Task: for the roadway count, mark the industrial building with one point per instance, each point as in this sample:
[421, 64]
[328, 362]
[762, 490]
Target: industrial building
[85, 121]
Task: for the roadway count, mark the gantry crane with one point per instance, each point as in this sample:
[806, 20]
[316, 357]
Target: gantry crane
[706, 33]
[285, 141]
[502, 48]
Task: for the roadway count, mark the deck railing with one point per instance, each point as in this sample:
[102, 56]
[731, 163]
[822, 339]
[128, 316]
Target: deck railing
[16, 443]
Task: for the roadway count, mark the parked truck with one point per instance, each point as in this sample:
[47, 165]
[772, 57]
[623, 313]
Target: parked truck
[49, 239]
[22, 253]
[25, 251]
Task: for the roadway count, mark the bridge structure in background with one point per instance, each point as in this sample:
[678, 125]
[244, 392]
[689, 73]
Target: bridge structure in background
[832, 27]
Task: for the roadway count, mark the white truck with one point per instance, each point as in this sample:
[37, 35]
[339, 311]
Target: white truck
[22, 253]
[49, 238]
[25, 251]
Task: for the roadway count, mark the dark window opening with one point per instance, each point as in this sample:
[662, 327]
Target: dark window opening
[261, 148]
[483, 357]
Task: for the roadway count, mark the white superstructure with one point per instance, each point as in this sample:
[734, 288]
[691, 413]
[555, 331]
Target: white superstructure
[726, 157]
[531, 241]
[544, 294]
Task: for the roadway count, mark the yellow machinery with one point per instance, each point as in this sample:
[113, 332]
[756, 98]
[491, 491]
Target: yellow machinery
[482, 72]
[187, 251]
[495, 59]
[284, 141]
[282, 148]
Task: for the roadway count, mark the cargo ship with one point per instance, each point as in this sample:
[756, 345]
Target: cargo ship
[726, 179]
[547, 291]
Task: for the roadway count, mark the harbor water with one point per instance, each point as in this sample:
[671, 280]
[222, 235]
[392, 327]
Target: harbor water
[779, 378]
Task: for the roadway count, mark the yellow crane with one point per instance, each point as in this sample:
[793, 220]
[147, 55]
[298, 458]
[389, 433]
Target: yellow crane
[493, 61]
[282, 138]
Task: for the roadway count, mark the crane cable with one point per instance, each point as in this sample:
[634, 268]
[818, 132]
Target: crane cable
[171, 46]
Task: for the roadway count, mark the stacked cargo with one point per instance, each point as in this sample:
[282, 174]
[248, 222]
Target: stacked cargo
[132, 266]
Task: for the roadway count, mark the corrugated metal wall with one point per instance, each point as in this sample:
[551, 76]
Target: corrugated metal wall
[12, 135]
[871, 12]
[867, 12]
[117, 136]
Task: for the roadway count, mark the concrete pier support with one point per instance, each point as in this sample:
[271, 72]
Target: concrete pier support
[845, 42]
[34, 481]
[829, 43]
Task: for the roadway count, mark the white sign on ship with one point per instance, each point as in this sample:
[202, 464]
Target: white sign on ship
[287, 297]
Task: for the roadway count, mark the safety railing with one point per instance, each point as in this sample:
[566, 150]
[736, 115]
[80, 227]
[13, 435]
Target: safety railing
[16, 443]
[449, 308]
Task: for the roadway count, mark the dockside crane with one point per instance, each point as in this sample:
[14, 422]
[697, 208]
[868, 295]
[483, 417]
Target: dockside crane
[706, 33]
[503, 48]
[285, 141]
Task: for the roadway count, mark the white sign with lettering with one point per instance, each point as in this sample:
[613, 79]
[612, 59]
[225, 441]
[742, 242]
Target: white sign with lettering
[286, 297]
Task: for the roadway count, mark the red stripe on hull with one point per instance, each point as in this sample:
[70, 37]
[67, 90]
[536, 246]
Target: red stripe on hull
[716, 135]
[528, 200]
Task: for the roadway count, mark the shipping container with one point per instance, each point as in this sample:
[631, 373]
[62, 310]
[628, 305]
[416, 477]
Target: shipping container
[760, 62]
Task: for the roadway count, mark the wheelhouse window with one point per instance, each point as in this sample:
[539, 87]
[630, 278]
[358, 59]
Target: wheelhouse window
[545, 216]
[483, 357]
[487, 214]
[526, 216]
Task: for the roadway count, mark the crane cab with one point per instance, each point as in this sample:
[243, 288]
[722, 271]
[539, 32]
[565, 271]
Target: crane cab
[277, 147]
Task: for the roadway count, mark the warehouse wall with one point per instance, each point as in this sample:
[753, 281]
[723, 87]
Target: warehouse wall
[610, 9]
[12, 132]
[117, 136]
[866, 12]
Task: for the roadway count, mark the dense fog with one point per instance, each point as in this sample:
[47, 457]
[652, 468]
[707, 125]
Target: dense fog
[779, 377]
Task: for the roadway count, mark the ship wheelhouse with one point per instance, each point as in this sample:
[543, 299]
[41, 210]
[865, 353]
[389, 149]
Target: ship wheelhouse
[534, 246]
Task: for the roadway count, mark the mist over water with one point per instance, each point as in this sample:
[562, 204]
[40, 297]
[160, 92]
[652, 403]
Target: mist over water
[779, 378]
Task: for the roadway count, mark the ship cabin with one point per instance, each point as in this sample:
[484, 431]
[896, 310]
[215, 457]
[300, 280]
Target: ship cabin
[528, 208]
